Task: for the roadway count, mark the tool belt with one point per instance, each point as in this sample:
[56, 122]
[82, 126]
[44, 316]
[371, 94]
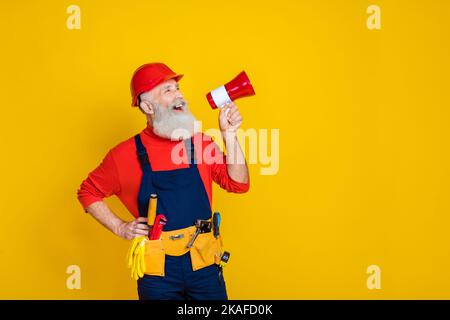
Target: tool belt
[205, 250]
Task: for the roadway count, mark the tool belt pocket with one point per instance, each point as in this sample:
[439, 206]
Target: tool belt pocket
[205, 251]
[154, 258]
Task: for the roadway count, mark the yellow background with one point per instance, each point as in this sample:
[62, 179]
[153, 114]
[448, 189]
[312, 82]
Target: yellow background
[364, 129]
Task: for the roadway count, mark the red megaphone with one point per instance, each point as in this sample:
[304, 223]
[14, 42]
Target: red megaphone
[237, 88]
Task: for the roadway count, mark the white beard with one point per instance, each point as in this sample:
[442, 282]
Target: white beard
[173, 125]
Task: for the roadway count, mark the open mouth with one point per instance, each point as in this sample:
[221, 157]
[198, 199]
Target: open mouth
[179, 107]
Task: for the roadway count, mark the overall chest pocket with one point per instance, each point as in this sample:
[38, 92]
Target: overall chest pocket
[174, 180]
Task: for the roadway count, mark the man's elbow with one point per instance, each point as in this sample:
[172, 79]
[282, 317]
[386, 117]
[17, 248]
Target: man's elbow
[239, 187]
[243, 189]
[87, 199]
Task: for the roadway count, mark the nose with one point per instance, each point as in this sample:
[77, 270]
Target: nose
[179, 95]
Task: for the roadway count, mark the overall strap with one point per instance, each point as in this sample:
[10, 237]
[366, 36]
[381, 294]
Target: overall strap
[146, 187]
[190, 151]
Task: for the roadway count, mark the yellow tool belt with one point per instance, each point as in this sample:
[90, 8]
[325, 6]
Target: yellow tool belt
[205, 251]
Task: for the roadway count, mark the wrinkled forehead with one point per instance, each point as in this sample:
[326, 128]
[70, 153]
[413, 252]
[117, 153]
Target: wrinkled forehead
[159, 88]
[166, 84]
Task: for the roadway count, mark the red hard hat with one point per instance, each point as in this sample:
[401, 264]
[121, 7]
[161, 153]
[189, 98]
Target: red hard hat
[148, 76]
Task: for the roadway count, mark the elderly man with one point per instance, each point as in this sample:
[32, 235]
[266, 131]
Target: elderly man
[147, 164]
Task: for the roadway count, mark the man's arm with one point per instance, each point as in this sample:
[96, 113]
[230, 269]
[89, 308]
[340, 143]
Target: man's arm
[236, 165]
[126, 230]
[103, 182]
[229, 122]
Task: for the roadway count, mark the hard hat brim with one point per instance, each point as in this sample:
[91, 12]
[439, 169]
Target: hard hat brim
[177, 78]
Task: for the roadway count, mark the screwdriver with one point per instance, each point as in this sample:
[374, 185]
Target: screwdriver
[216, 224]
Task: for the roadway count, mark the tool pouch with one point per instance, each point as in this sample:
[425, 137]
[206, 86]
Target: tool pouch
[154, 257]
[172, 243]
[206, 250]
[175, 242]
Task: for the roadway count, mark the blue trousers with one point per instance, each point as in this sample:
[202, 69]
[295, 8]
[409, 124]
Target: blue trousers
[181, 283]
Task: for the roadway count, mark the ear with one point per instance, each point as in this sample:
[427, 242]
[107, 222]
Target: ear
[147, 107]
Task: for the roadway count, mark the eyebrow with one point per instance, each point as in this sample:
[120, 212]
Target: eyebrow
[168, 85]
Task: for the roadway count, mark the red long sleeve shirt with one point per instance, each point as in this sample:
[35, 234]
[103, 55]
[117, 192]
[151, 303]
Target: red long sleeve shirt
[120, 173]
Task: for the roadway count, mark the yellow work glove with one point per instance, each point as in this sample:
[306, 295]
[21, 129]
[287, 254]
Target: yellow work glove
[135, 257]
